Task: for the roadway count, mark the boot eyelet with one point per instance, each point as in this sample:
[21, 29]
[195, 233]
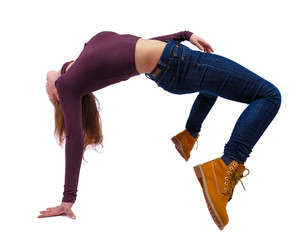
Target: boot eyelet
[225, 183]
[231, 168]
[226, 178]
[234, 164]
[228, 173]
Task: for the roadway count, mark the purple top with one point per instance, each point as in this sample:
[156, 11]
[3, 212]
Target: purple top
[106, 59]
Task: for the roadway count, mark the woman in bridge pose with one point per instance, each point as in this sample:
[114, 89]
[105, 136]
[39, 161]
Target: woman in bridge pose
[109, 57]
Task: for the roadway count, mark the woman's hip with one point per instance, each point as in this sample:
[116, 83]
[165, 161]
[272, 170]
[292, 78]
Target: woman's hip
[186, 71]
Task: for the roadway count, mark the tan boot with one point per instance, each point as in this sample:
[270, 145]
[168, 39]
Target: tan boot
[184, 143]
[218, 181]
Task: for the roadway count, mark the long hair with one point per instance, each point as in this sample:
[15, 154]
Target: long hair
[91, 122]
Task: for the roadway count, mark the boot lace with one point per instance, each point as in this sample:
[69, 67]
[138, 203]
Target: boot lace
[235, 177]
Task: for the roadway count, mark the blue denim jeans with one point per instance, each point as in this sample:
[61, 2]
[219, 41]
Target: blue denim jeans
[181, 70]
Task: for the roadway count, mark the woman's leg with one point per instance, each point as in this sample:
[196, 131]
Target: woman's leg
[232, 81]
[185, 140]
[201, 107]
[252, 123]
[192, 71]
[187, 71]
[223, 77]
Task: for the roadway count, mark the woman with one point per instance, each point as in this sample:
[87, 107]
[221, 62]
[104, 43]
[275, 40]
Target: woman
[109, 58]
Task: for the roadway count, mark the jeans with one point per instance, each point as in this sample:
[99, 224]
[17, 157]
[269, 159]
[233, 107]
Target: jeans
[182, 71]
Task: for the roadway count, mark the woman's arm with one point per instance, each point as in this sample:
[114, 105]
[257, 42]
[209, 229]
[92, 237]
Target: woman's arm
[71, 105]
[187, 35]
[180, 36]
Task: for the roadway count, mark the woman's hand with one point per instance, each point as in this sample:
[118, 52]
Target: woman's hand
[201, 43]
[63, 209]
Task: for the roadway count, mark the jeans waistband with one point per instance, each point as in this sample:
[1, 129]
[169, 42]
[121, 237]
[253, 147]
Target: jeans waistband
[171, 50]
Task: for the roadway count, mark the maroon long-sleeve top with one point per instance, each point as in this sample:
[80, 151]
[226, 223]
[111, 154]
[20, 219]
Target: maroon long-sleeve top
[106, 59]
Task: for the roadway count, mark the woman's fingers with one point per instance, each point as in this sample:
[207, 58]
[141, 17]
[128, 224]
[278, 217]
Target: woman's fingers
[70, 214]
[50, 208]
[44, 212]
[198, 45]
[209, 47]
[201, 43]
[49, 212]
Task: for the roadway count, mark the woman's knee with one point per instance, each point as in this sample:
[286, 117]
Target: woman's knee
[274, 95]
[277, 95]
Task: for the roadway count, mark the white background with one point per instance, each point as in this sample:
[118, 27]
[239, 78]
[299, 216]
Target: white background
[140, 187]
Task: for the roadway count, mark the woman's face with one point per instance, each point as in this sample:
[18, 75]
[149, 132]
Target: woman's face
[52, 76]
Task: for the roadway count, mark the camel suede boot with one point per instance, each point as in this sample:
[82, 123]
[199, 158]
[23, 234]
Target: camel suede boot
[184, 143]
[218, 181]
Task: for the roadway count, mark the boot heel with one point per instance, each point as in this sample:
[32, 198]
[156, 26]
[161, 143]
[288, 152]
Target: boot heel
[184, 143]
[198, 170]
[198, 174]
[179, 147]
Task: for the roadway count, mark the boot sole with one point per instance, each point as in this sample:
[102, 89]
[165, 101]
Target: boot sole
[179, 147]
[200, 175]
